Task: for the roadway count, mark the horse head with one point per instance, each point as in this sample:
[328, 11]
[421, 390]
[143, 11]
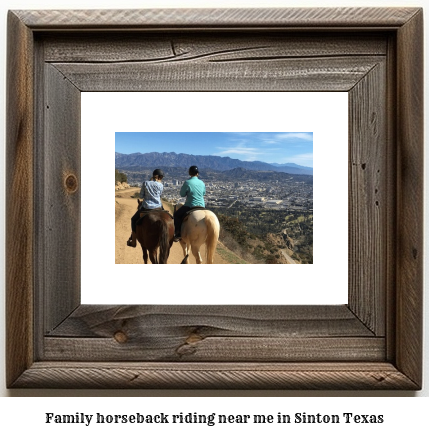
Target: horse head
[139, 202]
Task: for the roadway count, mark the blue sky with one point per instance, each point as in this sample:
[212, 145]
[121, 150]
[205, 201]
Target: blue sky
[271, 147]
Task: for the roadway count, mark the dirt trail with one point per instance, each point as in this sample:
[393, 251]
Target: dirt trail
[125, 207]
[288, 258]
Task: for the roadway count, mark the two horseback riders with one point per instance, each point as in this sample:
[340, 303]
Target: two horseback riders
[205, 225]
[193, 189]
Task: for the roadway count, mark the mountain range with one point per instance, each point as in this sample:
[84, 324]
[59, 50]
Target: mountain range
[155, 159]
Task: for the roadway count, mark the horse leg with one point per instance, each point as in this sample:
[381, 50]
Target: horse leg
[212, 237]
[165, 242]
[184, 247]
[185, 251]
[144, 255]
[153, 255]
[196, 253]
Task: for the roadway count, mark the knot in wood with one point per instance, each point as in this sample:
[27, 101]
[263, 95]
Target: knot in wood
[120, 337]
[71, 183]
[193, 338]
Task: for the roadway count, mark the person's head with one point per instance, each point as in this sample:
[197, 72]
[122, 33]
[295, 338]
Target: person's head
[157, 174]
[193, 171]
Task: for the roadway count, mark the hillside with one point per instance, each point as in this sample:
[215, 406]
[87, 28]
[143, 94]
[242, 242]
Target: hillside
[125, 207]
[248, 235]
[252, 248]
[267, 236]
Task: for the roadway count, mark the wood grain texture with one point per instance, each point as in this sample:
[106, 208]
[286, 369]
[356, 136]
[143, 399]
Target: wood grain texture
[391, 193]
[99, 321]
[19, 200]
[153, 347]
[39, 153]
[330, 74]
[213, 333]
[249, 376]
[190, 347]
[409, 278]
[174, 46]
[368, 203]
[61, 207]
[230, 18]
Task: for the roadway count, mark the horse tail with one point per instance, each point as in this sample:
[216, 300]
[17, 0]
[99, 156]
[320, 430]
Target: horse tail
[164, 242]
[213, 228]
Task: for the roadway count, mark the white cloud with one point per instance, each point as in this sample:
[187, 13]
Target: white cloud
[269, 147]
[296, 135]
[241, 151]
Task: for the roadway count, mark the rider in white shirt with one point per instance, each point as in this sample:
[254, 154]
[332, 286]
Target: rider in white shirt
[151, 194]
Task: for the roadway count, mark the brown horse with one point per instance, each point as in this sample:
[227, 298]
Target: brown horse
[155, 230]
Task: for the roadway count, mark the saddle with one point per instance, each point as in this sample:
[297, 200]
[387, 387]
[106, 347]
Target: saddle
[143, 213]
[186, 216]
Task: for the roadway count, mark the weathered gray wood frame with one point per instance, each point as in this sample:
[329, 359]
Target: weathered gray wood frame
[374, 342]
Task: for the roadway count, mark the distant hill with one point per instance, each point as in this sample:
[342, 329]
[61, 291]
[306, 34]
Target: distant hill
[287, 165]
[137, 174]
[244, 174]
[154, 159]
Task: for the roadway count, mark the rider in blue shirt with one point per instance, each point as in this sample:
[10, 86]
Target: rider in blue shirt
[151, 194]
[194, 190]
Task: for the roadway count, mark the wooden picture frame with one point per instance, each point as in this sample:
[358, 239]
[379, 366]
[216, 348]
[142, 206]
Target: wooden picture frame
[373, 342]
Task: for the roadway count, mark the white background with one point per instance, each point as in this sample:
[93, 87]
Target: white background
[323, 113]
[18, 414]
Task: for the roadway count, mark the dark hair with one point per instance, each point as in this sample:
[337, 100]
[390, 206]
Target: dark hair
[158, 172]
[193, 170]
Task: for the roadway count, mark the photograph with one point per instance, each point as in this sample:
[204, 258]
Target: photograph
[214, 197]
[242, 164]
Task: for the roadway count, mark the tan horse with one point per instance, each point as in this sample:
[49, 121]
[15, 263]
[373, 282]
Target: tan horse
[198, 228]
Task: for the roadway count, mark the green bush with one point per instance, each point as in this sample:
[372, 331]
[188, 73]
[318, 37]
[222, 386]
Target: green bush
[120, 177]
